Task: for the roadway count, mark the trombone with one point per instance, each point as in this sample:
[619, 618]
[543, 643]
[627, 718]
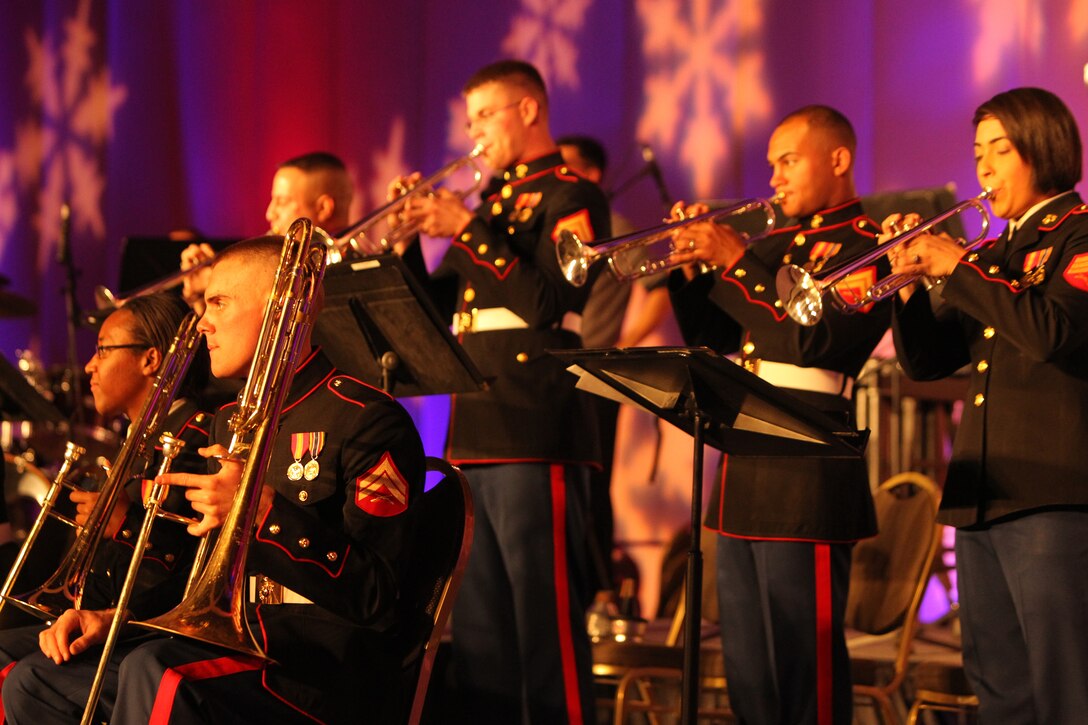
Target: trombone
[72, 454]
[367, 236]
[648, 251]
[212, 609]
[803, 293]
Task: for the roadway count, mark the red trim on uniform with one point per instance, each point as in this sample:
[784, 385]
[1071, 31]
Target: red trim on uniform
[334, 574]
[483, 263]
[562, 594]
[3, 676]
[365, 385]
[308, 393]
[194, 671]
[823, 635]
[988, 278]
[777, 317]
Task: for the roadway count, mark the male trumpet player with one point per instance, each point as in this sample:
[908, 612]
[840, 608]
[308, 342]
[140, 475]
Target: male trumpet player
[526, 443]
[334, 517]
[314, 185]
[132, 345]
[786, 525]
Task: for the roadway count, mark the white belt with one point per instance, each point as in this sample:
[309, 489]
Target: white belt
[263, 590]
[816, 380]
[489, 319]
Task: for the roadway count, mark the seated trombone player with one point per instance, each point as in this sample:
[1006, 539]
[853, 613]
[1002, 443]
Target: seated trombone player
[324, 564]
[132, 344]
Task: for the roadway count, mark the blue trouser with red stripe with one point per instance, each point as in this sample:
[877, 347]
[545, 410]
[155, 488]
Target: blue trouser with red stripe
[520, 648]
[782, 605]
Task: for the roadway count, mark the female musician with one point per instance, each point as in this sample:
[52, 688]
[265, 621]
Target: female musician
[132, 345]
[1017, 311]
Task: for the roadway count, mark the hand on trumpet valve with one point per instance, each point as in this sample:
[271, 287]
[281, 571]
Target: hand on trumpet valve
[705, 243]
[56, 641]
[194, 284]
[211, 495]
[925, 255]
[401, 185]
[85, 501]
[438, 214]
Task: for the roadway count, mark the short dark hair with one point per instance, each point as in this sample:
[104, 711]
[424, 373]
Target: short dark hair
[1043, 132]
[829, 120]
[157, 318]
[314, 161]
[516, 72]
[589, 149]
[265, 250]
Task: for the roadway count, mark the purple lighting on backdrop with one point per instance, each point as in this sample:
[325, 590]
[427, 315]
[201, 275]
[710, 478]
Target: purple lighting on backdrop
[148, 117]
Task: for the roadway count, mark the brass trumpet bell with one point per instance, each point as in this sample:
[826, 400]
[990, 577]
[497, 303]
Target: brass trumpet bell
[803, 293]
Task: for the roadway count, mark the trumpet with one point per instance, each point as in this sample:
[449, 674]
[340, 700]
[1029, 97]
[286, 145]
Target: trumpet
[104, 299]
[212, 610]
[648, 251]
[803, 293]
[376, 233]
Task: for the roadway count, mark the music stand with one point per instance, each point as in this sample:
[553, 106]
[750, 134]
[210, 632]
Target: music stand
[721, 404]
[20, 401]
[379, 325]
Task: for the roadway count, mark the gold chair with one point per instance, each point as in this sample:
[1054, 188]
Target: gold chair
[888, 578]
[940, 685]
[648, 676]
[439, 556]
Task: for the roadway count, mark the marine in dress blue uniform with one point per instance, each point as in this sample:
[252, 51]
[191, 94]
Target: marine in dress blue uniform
[787, 525]
[1016, 312]
[525, 443]
[324, 566]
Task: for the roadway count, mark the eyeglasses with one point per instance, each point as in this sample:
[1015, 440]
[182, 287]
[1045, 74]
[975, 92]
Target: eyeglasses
[487, 114]
[101, 350]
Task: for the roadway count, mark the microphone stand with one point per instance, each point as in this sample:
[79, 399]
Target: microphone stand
[64, 257]
[649, 168]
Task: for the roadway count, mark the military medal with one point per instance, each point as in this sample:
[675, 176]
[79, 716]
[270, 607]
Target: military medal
[313, 468]
[298, 448]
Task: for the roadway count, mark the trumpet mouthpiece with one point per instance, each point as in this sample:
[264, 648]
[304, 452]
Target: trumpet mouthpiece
[777, 198]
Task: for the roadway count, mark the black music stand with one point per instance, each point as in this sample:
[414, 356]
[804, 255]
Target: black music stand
[379, 325]
[721, 404]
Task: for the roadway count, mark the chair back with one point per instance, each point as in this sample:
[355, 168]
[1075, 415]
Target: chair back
[438, 557]
[890, 571]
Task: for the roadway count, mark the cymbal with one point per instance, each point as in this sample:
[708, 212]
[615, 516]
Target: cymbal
[13, 305]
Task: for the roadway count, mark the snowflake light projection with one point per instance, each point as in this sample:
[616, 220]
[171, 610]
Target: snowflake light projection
[1077, 20]
[58, 148]
[705, 80]
[543, 33]
[387, 163]
[1006, 29]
